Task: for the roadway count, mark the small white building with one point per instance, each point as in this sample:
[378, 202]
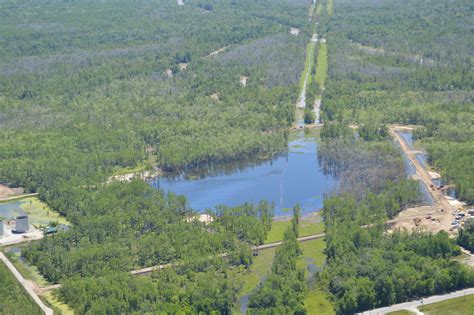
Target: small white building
[294, 31]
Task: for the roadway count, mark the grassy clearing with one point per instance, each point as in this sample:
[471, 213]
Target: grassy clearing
[312, 257]
[457, 306]
[311, 10]
[308, 65]
[307, 227]
[130, 170]
[322, 65]
[330, 7]
[40, 213]
[317, 303]
[258, 271]
[145, 165]
[313, 253]
[402, 312]
[277, 231]
[319, 8]
[58, 306]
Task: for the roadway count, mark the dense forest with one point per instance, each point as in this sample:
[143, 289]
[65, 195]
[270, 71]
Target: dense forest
[124, 226]
[366, 266]
[394, 62]
[88, 89]
[408, 62]
[466, 235]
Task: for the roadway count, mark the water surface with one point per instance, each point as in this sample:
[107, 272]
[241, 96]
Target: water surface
[291, 178]
[10, 210]
[410, 169]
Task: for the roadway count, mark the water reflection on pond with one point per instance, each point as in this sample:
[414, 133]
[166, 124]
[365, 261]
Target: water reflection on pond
[294, 177]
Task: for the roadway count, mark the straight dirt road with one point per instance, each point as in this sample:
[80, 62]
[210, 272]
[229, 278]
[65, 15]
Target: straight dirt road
[422, 174]
[413, 305]
[26, 285]
[436, 217]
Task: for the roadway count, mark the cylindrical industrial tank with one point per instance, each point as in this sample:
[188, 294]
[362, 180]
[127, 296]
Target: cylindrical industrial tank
[1, 228]
[21, 224]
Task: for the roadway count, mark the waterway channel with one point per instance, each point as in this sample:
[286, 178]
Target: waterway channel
[288, 179]
[423, 160]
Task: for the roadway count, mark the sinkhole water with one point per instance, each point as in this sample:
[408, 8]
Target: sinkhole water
[288, 179]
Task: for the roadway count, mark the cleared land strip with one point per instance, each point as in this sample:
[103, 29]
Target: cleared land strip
[144, 271]
[420, 170]
[436, 217]
[26, 285]
[413, 305]
[18, 197]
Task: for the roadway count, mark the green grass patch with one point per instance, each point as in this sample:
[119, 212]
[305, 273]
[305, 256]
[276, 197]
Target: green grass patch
[313, 252]
[58, 306]
[402, 312]
[330, 7]
[297, 146]
[276, 232]
[311, 10]
[129, 170]
[322, 65]
[319, 8]
[40, 213]
[308, 226]
[457, 306]
[308, 65]
[145, 165]
[313, 256]
[251, 278]
[317, 303]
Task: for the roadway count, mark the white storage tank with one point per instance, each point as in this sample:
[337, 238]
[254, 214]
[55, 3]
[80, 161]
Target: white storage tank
[21, 224]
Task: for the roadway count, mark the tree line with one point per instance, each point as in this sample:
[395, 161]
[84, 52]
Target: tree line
[284, 290]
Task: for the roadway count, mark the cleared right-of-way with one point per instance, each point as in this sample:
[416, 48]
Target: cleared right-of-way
[413, 306]
[435, 217]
